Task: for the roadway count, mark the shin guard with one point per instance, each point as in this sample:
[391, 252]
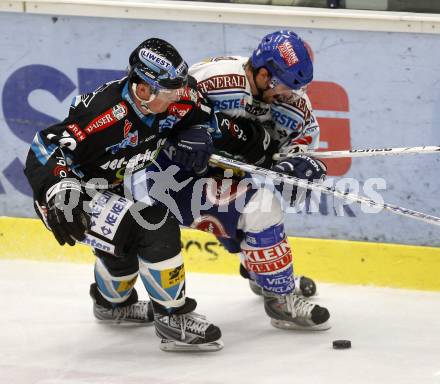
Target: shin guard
[164, 281]
[115, 289]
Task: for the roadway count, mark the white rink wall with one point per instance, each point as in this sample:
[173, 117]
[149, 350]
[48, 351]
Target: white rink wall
[372, 89]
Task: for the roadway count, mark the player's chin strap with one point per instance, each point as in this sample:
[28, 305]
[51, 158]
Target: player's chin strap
[143, 103]
[234, 164]
[363, 152]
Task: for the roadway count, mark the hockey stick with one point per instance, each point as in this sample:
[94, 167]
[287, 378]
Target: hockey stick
[231, 163]
[363, 152]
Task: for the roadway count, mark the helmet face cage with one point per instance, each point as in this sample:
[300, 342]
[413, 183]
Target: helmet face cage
[286, 57]
[158, 63]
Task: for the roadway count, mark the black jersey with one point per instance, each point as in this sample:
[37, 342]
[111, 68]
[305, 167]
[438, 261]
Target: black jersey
[103, 134]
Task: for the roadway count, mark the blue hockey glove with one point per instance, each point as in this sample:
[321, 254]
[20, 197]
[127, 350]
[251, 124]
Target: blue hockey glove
[302, 167]
[193, 147]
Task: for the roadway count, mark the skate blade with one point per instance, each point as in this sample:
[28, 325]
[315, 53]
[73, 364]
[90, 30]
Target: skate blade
[125, 323]
[122, 322]
[296, 327]
[177, 346]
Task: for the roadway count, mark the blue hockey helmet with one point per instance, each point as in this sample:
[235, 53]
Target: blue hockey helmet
[158, 63]
[286, 57]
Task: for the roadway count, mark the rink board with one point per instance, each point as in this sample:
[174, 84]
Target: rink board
[339, 261]
[370, 90]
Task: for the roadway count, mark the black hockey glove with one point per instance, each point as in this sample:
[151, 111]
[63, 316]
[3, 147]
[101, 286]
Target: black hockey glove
[192, 149]
[246, 138]
[302, 167]
[65, 215]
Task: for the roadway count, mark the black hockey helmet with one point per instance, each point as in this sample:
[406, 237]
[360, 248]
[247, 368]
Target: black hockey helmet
[158, 63]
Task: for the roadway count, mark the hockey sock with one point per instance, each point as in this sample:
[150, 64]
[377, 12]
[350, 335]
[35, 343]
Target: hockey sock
[268, 258]
[164, 282]
[115, 289]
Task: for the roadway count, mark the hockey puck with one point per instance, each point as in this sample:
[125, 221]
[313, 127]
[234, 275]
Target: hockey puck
[341, 344]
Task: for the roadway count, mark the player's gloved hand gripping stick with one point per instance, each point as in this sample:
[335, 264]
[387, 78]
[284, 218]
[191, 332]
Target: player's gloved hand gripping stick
[192, 149]
[65, 215]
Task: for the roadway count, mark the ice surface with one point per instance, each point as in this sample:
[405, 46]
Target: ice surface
[49, 335]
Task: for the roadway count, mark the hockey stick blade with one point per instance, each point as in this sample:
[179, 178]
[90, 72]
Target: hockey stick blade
[252, 169]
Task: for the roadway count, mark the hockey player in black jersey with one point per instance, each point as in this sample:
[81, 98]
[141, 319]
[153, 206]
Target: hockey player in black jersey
[76, 169]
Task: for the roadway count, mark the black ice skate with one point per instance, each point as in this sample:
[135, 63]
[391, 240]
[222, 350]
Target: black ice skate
[186, 331]
[304, 286]
[131, 311]
[293, 312]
